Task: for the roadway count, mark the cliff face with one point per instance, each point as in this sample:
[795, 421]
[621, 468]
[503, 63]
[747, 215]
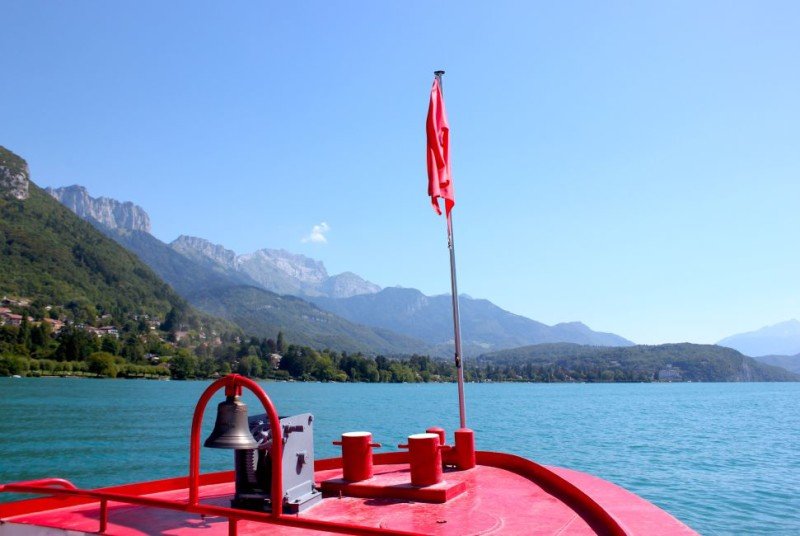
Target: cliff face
[109, 212]
[348, 284]
[14, 176]
[264, 262]
[200, 249]
[275, 270]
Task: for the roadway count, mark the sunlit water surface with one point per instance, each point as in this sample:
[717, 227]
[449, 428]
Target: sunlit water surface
[723, 458]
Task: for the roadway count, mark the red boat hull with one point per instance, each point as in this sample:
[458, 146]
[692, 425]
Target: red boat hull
[504, 494]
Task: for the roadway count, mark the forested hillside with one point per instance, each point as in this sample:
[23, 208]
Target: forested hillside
[665, 362]
[257, 311]
[52, 256]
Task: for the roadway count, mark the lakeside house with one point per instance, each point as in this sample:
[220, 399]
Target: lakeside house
[22, 302]
[7, 318]
[669, 374]
[180, 335]
[55, 325]
[275, 360]
[102, 331]
[10, 319]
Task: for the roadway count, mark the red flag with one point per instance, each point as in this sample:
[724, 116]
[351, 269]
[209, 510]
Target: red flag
[440, 180]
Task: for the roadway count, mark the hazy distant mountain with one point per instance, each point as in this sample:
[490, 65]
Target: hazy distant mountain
[109, 212]
[232, 295]
[484, 326]
[259, 311]
[788, 362]
[780, 339]
[276, 270]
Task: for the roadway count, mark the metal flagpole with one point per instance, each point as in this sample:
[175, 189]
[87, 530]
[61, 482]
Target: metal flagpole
[462, 410]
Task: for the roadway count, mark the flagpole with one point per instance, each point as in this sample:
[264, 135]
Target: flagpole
[462, 410]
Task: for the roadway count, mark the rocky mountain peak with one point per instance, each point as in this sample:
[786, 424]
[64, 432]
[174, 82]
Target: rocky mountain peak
[348, 284]
[107, 211]
[299, 267]
[202, 249]
[277, 270]
[14, 175]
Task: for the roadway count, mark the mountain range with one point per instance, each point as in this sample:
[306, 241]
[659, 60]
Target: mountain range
[485, 326]
[276, 270]
[252, 291]
[51, 256]
[778, 339]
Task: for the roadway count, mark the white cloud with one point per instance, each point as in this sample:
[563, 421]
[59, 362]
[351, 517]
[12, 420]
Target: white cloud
[317, 234]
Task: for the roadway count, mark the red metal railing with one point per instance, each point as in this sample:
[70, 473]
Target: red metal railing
[233, 515]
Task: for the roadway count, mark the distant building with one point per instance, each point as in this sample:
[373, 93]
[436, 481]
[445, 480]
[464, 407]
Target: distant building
[103, 331]
[109, 330]
[275, 360]
[669, 374]
[11, 319]
[56, 325]
[180, 335]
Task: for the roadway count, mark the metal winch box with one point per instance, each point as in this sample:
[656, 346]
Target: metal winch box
[253, 467]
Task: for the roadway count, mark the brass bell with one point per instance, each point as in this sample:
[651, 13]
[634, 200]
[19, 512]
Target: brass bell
[231, 429]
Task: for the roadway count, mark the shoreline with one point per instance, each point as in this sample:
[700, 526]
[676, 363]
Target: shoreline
[273, 380]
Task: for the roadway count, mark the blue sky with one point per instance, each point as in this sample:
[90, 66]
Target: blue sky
[630, 165]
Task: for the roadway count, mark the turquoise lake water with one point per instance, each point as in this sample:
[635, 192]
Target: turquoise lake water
[723, 458]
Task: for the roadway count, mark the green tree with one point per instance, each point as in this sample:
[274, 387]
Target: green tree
[324, 368]
[296, 361]
[280, 345]
[102, 364]
[250, 365]
[206, 367]
[132, 348]
[183, 365]
[75, 344]
[24, 333]
[40, 335]
[109, 344]
[82, 312]
[13, 364]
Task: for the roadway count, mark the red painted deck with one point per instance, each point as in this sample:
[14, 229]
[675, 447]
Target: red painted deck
[504, 495]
